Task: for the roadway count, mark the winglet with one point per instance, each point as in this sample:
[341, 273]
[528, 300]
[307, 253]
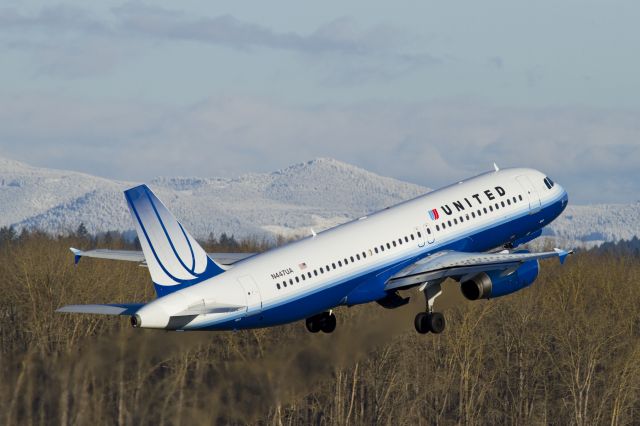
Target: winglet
[77, 255]
[562, 254]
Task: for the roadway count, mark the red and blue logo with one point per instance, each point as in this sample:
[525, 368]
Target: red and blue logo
[433, 214]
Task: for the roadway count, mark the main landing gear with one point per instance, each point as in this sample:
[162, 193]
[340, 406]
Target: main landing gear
[325, 322]
[430, 321]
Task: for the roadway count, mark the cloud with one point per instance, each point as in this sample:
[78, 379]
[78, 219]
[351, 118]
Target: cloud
[593, 152]
[70, 41]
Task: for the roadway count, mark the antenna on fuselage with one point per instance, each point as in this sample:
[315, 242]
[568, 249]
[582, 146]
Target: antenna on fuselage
[495, 167]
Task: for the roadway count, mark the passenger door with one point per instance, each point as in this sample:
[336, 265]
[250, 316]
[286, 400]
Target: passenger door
[252, 293]
[531, 192]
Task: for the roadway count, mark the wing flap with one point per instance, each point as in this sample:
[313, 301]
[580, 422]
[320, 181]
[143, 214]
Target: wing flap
[108, 309]
[455, 264]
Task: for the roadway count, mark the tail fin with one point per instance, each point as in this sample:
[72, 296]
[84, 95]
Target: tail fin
[174, 258]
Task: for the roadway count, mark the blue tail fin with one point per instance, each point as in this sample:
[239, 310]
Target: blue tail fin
[174, 258]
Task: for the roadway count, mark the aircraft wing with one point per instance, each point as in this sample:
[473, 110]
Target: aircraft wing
[137, 256]
[454, 264]
[110, 309]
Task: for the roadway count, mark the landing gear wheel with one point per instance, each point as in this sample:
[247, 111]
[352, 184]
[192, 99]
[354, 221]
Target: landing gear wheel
[421, 323]
[436, 322]
[312, 325]
[328, 323]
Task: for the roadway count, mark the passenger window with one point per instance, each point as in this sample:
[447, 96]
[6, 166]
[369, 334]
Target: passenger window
[376, 250]
[352, 259]
[340, 263]
[497, 206]
[437, 227]
[455, 221]
[315, 272]
[364, 255]
[406, 239]
[394, 243]
[449, 223]
[509, 201]
[502, 203]
[297, 279]
[429, 231]
[303, 278]
[473, 215]
[291, 281]
[309, 274]
[412, 237]
[382, 248]
[400, 241]
[444, 226]
[333, 265]
[467, 216]
[278, 286]
[419, 234]
[346, 262]
[491, 208]
[520, 197]
[515, 199]
[389, 246]
[461, 219]
[358, 256]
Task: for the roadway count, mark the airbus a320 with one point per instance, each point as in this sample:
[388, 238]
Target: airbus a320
[469, 231]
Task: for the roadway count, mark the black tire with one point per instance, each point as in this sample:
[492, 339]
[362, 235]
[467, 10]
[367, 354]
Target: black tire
[313, 326]
[328, 323]
[436, 322]
[421, 323]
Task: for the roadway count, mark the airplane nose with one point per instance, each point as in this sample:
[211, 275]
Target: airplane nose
[565, 197]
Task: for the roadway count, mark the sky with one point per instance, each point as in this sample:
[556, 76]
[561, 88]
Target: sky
[424, 91]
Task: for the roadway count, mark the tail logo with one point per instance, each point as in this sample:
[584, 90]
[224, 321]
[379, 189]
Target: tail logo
[172, 255]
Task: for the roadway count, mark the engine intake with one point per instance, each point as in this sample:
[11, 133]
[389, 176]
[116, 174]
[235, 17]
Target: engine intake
[492, 284]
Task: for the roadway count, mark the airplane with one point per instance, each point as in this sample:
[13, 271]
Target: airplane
[469, 231]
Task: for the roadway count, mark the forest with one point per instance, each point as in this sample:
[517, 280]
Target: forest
[564, 351]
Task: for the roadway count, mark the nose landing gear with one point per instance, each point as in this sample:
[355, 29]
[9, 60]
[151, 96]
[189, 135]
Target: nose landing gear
[430, 321]
[325, 322]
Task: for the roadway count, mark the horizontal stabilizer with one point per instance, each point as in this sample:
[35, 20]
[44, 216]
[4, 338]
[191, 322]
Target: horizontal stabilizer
[110, 309]
[226, 259]
[128, 255]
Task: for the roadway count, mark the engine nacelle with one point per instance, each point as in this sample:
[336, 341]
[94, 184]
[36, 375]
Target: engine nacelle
[485, 285]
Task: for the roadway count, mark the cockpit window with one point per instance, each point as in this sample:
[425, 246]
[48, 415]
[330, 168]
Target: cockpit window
[548, 182]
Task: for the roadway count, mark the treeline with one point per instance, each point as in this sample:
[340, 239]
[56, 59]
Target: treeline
[564, 351]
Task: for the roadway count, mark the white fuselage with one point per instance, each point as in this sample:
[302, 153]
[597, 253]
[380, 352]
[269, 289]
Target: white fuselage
[335, 267]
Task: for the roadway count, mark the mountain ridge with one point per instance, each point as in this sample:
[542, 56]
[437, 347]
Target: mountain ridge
[319, 193]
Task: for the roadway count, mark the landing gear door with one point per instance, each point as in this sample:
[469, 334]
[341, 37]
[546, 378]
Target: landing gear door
[420, 236]
[252, 293]
[531, 192]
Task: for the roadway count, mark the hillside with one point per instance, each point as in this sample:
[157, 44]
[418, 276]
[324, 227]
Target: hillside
[319, 193]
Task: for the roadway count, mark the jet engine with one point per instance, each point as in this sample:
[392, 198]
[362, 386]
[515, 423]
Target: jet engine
[495, 284]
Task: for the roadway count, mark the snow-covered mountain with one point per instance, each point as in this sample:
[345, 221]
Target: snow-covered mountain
[317, 194]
